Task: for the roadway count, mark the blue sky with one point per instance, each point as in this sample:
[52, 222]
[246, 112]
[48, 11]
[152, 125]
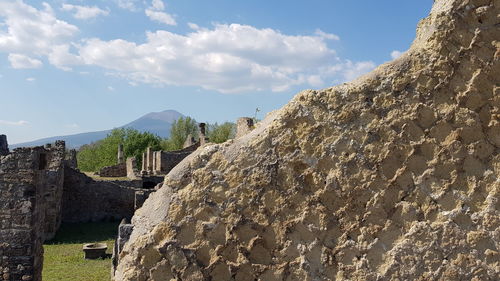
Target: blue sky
[76, 66]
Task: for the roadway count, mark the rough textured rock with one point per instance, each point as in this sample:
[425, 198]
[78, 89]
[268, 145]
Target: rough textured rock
[391, 177]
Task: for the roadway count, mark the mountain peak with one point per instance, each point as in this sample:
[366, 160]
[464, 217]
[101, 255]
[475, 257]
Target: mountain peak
[158, 123]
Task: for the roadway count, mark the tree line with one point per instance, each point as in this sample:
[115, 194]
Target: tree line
[94, 156]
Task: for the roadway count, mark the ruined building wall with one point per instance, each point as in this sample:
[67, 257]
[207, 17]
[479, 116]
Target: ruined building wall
[119, 170]
[29, 188]
[85, 199]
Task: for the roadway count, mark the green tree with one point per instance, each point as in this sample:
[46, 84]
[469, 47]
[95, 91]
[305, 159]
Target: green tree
[102, 153]
[220, 133]
[179, 131]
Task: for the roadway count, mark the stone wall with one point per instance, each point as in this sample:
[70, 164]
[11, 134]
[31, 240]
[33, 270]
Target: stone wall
[86, 199]
[30, 190]
[54, 176]
[119, 170]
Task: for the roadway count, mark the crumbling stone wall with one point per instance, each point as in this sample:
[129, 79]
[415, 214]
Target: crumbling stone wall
[30, 193]
[118, 170]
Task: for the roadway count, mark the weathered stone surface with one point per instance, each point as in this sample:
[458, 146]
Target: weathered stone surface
[243, 126]
[391, 177]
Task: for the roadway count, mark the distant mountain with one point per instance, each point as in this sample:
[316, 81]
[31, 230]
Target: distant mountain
[158, 123]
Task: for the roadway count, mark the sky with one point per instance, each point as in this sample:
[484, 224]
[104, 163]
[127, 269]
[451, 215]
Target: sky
[76, 66]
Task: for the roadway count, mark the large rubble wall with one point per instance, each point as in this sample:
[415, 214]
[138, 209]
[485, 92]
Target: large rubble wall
[30, 202]
[85, 199]
[391, 177]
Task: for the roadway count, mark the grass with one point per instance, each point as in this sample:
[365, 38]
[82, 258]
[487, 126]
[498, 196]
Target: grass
[63, 257]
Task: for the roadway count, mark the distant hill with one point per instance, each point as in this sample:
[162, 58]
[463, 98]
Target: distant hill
[158, 123]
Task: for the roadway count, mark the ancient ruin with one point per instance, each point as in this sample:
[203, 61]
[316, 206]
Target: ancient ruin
[391, 177]
[30, 207]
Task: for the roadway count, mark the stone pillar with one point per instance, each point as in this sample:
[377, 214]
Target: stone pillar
[154, 162]
[4, 146]
[203, 137]
[243, 126]
[144, 163]
[121, 156]
[149, 160]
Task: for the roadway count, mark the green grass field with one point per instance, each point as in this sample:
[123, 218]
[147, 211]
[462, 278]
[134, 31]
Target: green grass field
[63, 257]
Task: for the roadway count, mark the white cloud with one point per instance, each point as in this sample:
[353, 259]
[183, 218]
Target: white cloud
[227, 58]
[158, 5]
[160, 17]
[353, 70]
[193, 26]
[84, 12]
[325, 35]
[127, 5]
[30, 32]
[111, 89]
[396, 54]
[19, 61]
[14, 123]
[156, 13]
[31, 79]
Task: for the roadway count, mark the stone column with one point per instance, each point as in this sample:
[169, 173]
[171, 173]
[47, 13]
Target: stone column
[154, 162]
[149, 156]
[121, 156]
[144, 163]
[4, 146]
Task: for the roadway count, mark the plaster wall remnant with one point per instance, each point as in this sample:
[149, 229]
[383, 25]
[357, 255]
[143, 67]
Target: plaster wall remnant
[244, 125]
[29, 204]
[132, 172]
[4, 146]
[393, 176]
